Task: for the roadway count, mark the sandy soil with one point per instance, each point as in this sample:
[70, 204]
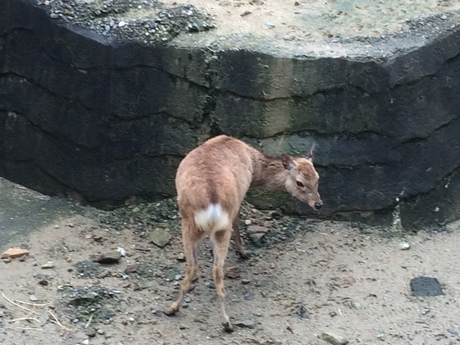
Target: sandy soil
[347, 279]
[295, 20]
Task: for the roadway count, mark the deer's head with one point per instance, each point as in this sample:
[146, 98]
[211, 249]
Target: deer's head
[302, 179]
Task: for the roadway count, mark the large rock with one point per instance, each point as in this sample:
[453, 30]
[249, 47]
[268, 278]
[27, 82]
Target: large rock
[82, 113]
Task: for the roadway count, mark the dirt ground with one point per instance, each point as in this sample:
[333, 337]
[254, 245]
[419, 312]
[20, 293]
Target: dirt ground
[298, 20]
[304, 278]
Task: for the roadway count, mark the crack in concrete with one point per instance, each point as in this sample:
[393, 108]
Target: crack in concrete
[58, 137]
[419, 139]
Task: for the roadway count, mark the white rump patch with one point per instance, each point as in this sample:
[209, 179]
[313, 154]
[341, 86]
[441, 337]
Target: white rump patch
[212, 219]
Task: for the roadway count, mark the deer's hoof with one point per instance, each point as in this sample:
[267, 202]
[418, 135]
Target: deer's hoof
[171, 311]
[244, 255]
[228, 327]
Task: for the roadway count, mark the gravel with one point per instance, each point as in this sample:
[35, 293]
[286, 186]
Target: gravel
[145, 21]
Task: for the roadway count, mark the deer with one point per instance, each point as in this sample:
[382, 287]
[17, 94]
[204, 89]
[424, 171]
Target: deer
[211, 183]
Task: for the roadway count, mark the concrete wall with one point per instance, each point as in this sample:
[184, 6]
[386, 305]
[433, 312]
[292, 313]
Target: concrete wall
[83, 115]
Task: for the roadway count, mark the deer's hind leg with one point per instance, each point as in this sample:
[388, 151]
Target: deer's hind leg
[191, 235]
[221, 242]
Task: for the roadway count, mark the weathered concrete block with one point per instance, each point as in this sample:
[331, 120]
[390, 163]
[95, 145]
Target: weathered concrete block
[107, 119]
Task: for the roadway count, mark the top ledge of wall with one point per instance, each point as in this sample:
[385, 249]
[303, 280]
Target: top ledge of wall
[381, 48]
[385, 32]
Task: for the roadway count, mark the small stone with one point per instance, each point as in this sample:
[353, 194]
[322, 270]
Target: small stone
[270, 25]
[91, 332]
[350, 280]
[181, 257]
[257, 229]
[245, 323]
[100, 331]
[43, 282]
[247, 222]
[54, 15]
[48, 265]
[289, 38]
[7, 261]
[122, 251]
[404, 246]
[201, 318]
[33, 298]
[182, 326]
[333, 338]
[177, 277]
[97, 236]
[160, 237]
[131, 268]
[452, 331]
[12, 253]
[303, 312]
[256, 233]
[233, 272]
[245, 281]
[121, 23]
[112, 257]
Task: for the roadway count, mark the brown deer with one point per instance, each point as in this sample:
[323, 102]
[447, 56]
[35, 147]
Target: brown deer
[211, 183]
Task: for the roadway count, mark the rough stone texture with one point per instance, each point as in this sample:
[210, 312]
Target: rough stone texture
[82, 114]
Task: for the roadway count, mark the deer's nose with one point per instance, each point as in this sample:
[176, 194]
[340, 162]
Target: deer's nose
[318, 205]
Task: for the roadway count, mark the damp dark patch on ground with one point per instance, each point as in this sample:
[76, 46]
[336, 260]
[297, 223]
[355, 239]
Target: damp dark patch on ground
[91, 304]
[425, 287]
[274, 226]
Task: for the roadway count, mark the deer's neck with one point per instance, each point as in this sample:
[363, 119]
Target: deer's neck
[268, 173]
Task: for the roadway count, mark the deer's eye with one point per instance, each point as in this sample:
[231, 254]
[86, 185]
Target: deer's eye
[300, 184]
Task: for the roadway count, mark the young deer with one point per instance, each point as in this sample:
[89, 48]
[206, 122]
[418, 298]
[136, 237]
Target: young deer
[211, 183]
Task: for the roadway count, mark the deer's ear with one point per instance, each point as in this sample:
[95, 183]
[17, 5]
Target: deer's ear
[310, 153]
[288, 162]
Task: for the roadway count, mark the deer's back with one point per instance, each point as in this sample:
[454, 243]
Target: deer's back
[217, 172]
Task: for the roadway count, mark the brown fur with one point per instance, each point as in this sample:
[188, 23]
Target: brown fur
[219, 172]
